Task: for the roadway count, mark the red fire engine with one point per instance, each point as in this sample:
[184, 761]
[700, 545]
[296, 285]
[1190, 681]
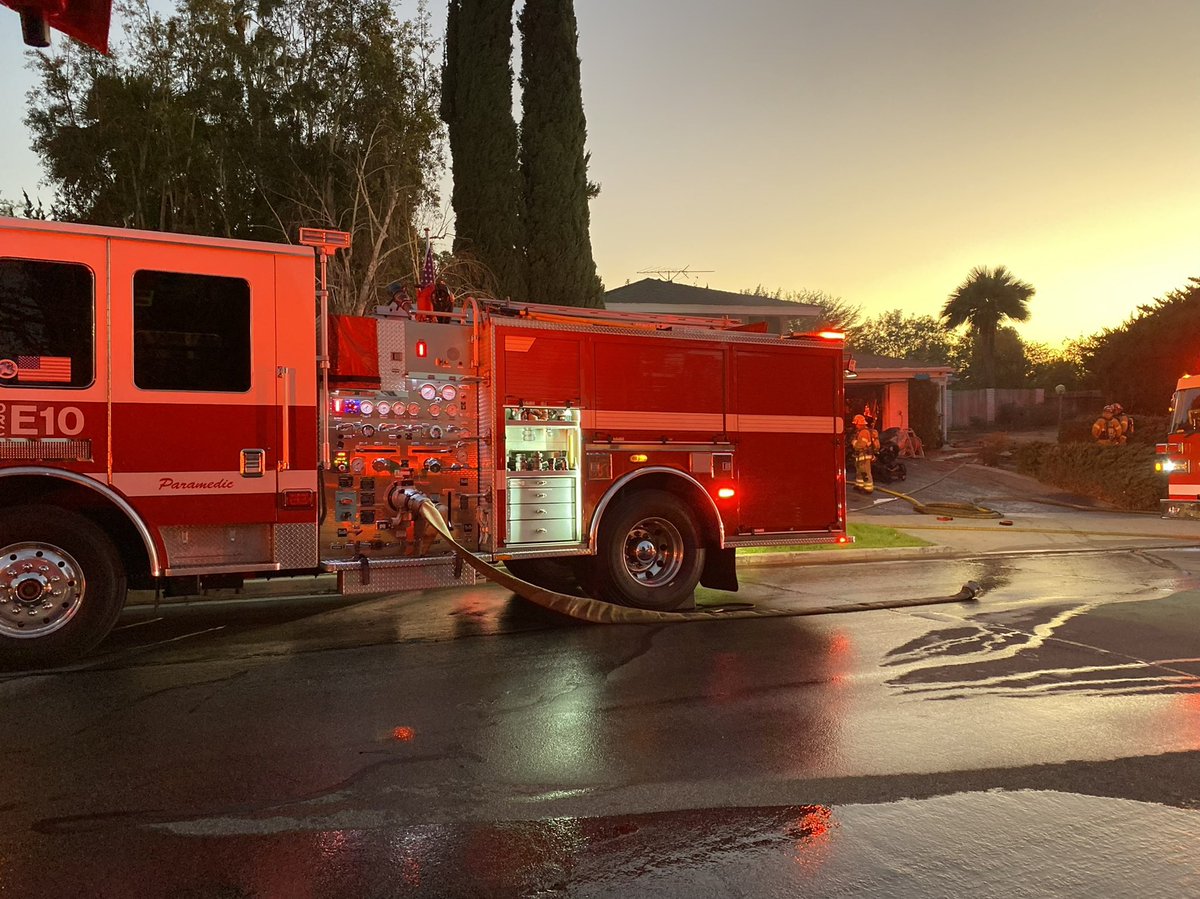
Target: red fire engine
[166, 422]
[1180, 455]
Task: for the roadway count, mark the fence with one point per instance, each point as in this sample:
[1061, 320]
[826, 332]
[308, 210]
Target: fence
[970, 407]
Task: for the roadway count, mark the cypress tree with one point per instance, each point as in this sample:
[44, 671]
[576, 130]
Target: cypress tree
[477, 100]
[558, 249]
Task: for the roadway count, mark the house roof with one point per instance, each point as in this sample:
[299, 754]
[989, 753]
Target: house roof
[653, 292]
[868, 364]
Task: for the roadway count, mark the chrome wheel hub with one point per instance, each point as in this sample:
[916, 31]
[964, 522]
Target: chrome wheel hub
[41, 589]
[653, 552]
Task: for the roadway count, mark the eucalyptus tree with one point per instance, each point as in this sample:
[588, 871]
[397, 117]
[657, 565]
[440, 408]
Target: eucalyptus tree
[250, 119]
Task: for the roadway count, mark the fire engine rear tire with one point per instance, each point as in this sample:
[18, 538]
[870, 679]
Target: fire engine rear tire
[648, 555]
[62, 585]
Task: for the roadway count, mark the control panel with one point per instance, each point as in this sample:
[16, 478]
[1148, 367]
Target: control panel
[418, 432]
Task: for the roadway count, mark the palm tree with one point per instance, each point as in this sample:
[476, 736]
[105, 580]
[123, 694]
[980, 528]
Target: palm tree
[982, 302]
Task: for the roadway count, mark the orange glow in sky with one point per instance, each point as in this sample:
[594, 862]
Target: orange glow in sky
[876, 149]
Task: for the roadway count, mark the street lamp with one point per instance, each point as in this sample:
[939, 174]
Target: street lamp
[1060, 389]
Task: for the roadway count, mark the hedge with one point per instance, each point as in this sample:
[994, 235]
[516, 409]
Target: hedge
[1121, 475]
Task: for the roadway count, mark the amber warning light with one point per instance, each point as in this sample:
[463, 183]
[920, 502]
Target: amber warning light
[422, 349]
[831, 335]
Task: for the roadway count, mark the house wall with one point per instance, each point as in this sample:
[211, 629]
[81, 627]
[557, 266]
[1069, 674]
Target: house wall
[895, 406]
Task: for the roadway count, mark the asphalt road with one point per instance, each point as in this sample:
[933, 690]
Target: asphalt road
[1042, 741]
[464, 744]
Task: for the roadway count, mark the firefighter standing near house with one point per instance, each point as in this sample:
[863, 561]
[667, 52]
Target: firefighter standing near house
[1107, 429]
[865, 444]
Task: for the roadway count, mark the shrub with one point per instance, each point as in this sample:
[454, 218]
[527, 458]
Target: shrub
[1147, 429]
[1121, 475]
[922, 413]
[992, 448]
[1017, 417]
[1077, 429]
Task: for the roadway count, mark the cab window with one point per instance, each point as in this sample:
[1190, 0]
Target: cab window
[47, 324]
[191, 332]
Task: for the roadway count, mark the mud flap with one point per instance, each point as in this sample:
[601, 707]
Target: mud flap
[720, 570]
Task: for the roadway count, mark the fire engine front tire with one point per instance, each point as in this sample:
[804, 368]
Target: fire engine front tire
[648, 554]
[62, 585]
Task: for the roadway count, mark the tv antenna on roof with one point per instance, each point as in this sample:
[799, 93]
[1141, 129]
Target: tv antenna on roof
[670, 274]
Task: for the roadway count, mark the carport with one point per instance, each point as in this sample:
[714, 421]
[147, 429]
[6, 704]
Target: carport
[879, 387]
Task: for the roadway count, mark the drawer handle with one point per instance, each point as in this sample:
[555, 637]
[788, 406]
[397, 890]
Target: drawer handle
[539, 511]
[539, 530]
[539, 496]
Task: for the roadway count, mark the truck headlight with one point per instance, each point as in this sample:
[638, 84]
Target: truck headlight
[1174, 466]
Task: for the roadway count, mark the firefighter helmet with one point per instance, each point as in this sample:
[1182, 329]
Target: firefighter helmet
[860, 421]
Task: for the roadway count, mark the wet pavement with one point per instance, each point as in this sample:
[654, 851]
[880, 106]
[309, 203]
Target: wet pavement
[1043, 741]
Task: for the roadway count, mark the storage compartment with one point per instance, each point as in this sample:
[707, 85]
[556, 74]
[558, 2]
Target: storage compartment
[542, 452]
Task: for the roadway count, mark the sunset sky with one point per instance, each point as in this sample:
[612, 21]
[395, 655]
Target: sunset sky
[876, 149]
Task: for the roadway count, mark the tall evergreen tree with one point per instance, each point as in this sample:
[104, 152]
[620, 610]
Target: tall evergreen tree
[477, 100]
[553, 162]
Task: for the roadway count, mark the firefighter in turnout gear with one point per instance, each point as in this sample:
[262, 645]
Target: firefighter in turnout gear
[1107, 429]
[865, 443]
[1124, 420]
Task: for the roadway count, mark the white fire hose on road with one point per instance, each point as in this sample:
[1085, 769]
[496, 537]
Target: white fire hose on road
[600, 612]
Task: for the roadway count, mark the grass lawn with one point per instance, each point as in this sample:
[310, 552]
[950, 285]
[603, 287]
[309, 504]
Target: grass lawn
[866, 536]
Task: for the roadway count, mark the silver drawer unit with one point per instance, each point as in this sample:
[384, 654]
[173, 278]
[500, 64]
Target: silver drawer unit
[557, 530]
[531, 480]
[520, 492]
[541, 511]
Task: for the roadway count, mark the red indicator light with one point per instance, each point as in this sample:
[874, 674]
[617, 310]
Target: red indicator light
[422, 349]
[403, 734]
[843, 539]
[726, 492]
[299, 499]
[337, 403]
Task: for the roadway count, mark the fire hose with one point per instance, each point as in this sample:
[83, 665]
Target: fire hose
[600, 612]
[954, 510]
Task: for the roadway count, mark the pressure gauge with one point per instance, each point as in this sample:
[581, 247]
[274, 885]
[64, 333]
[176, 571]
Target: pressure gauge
[462, 454]
[428, 391]
[385, 408]
[366, 407]
[357, 465]
[414, 409]
[449, 393]
[435, 410]
[451, 410]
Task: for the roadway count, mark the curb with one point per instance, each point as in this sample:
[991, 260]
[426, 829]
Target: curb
[847, 556]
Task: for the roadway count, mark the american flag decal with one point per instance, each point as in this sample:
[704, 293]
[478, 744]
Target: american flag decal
[45, 369]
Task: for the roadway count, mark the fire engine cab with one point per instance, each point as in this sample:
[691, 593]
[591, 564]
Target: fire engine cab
[1179, 457]
[179, 411]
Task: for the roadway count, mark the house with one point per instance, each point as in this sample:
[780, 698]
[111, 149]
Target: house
[877, 383]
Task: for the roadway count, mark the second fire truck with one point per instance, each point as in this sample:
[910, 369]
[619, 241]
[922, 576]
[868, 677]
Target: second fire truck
[1179, 457]
[166, 421]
